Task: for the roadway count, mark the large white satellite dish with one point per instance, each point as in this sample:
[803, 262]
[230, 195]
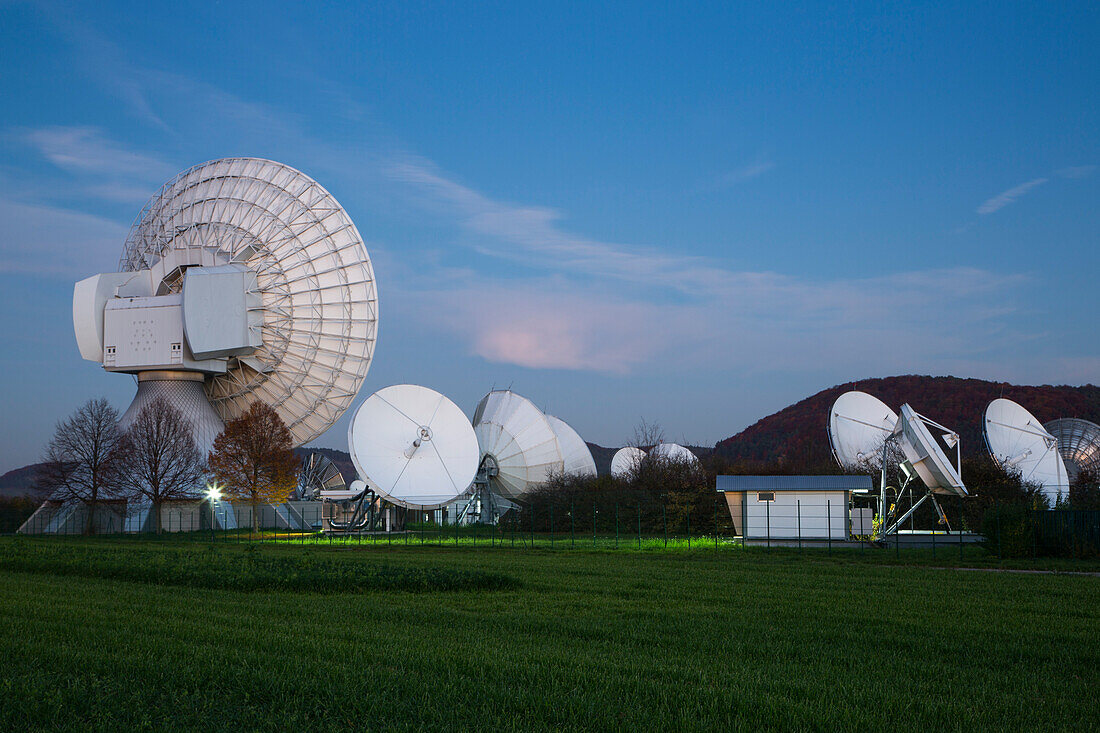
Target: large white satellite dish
[519, 448]
[1078, 443]
[413, 446]
[1016, 439]
[858, 426]
[926, 455]
[241, 280]
[673, 453]
[626, 461]
[576, 456]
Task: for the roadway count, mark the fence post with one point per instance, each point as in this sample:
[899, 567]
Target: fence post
[798, 510]
[551, 525]
[572, 523]
[593, 522]
[616, 525]
[689, 526]
[829, 523]
[716, 525]
[768, 520]
[958, 503]
[664, 521]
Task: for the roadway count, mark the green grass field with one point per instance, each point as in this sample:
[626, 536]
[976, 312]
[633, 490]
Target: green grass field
[475, 637]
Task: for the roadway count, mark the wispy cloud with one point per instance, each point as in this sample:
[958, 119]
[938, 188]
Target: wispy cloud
[51, 240]
[745, 173]
[89, 150]
[1010, 196]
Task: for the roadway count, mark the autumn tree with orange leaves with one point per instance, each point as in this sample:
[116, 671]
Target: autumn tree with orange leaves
[253, 458]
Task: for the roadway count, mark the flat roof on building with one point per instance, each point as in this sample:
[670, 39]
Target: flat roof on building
[794, 483]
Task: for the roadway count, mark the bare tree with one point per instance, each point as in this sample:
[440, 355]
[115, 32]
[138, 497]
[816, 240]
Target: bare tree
[159, 459]
[81, 463]
[646, 435]
[254, 458]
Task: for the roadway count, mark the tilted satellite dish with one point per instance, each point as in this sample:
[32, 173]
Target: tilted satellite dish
[626, 461]
[576, 456]
[317, 474]
[1078, 443]
[925, 454]
[673, 452]
[519, 448]
[413, 446]
[241, 280]
[858, 426]
[1016, 439]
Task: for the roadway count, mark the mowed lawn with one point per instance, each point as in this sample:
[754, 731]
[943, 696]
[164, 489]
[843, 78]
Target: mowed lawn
[587, 640]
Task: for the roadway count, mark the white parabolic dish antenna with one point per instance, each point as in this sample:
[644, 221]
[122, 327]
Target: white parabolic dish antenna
[673, 452]
[1016, 439]
[575, 454]
[1078, 442]
[626, 461]
[859, 425]
[519, 448]
[241, 280]
[413, 446]
[926, 455]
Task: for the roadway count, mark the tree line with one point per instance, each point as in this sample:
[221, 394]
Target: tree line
[91, 461]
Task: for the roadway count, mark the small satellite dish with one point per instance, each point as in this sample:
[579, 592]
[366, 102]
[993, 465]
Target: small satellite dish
[414, 446]
[317, 473]
[576, 456]
[858, 426]
[519, 448]
[1078, 443]
[626, 461]
[674, 453]
[1016, 439]
[926, 455]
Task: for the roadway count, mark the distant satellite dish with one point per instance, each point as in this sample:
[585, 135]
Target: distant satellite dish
[414, 446]
[673, 452]
[626, 461]
[1017, 440]
[519, 448]
[576, 456]
[858, 426]
[926, 455]
[317, 474]
[1078, 443]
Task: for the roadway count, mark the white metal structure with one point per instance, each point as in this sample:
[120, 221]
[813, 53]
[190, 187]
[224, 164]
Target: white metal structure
[673, 452]
[858, 426]
[413, 446]
[924, 458]
[241, 280]
[925, 454]
[1016, 439]
[575, 453]
[626, 461]
[316, 475]
[1078, 442]
[519, 448]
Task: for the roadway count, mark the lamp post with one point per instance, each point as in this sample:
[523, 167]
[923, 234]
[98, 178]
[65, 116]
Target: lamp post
[214, 494]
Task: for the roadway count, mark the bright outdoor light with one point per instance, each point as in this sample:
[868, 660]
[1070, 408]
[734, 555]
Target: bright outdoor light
[213, 492]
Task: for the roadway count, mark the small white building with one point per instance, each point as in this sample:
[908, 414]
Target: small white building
[789, 507]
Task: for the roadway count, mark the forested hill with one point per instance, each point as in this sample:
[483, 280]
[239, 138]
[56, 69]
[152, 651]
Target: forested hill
[797, 434]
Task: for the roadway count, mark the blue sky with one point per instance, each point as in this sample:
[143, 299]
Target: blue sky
[696, 215]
